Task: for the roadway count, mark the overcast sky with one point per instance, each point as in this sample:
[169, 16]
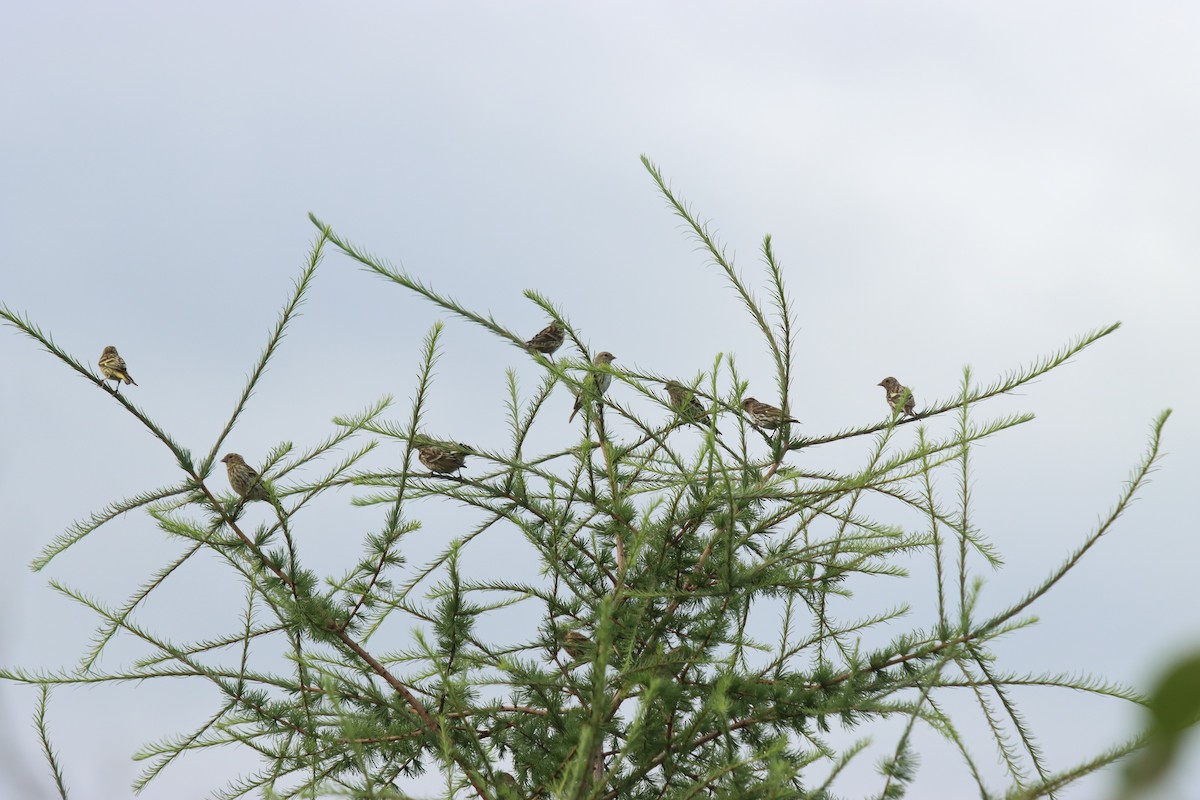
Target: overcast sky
[947, 183]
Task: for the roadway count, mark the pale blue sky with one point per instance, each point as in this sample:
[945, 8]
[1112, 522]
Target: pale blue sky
[946, 183]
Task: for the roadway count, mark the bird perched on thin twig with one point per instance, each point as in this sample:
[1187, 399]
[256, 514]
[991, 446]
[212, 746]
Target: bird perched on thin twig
[579, 645]
[442, 458]
[112, 366]
[897, 394]
[576, 644]
[684, 401]
[765, 415]
[548, 339]
[245, 480]
[595, 384]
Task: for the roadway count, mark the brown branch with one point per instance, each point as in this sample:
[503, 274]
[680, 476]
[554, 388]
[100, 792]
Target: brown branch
[379, 669]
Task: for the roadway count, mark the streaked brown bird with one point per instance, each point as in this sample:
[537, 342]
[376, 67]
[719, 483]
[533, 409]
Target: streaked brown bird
[442, 458]
[580, 646]
[897, 394]
[765, 415]
[548, 339]
[576, 644]
[112, 366]
[595, 384]
[683, 400]
[245, 480]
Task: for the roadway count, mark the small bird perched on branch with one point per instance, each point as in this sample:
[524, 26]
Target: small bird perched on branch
[765, 415]
[548, 339]
[442, 458]
[248, 484]
[684, 401]
[897, 394]
[576, 644]
[112, 366]
[579, 645]
[595, 384]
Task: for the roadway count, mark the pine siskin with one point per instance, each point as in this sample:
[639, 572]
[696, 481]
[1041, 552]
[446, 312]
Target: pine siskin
[112, 366]
[897, 394]
[595, 384]
[548, 339]
[576, 644]
[580, 646]
[684, 401]
[244, 480]
[764, 415]
[442, 457]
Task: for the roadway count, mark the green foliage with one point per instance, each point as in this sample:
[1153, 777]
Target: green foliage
[1174, 709]
[663, 555]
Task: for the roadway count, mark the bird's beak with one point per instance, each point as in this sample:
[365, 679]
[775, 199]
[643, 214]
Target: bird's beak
[880, 384]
